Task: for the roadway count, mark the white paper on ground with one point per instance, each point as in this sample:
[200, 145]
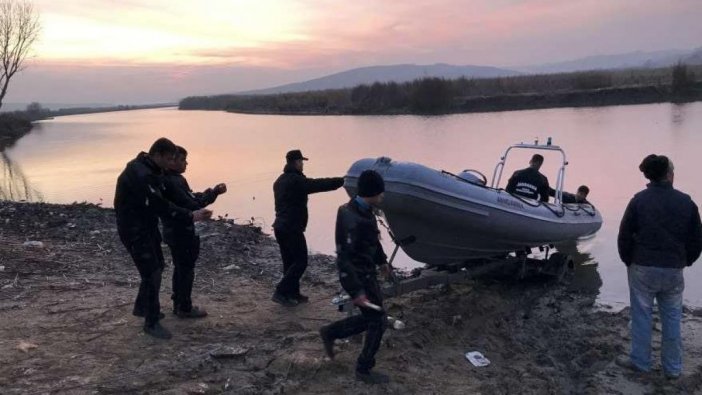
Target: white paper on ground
[477, 359]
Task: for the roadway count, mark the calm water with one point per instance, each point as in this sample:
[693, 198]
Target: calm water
[78, 158]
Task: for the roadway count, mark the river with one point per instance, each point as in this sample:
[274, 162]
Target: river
[78, 158]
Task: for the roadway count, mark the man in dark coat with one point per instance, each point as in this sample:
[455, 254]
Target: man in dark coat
[138, 203]
[660, 234]
[529, 182]
[290, 191]
[359, 253]
[181, 237]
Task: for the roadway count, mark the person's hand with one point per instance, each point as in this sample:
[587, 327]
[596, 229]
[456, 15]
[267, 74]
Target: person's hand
[202, 215]
[360, 300]
[220, 188]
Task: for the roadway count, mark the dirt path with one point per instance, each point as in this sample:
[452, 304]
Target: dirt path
[68, 304]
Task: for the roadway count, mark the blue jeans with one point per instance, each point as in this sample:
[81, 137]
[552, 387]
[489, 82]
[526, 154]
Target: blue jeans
[665, 285]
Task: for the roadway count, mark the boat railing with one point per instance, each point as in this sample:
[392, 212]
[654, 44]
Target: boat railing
[499, 168]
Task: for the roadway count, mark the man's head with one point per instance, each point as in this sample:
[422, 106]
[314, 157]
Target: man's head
[163, 152]
[180, 163]
[657, 168]
[536, 161]
[296, 159]
[371, 187]
[581, 194]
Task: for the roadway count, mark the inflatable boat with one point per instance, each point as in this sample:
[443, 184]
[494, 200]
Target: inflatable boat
[453, 218]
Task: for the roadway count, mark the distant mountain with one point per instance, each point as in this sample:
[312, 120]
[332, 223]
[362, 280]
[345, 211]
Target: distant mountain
[620, 61]
[396, 73]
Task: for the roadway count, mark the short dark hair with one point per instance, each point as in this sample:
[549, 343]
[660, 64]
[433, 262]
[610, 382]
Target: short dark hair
[655, 167]
[163, 146]
[584, 189]
[538, 159]
[181, 151]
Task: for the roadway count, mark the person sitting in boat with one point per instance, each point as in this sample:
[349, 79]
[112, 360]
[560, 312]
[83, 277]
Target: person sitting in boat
[529, 182]
[580, 197]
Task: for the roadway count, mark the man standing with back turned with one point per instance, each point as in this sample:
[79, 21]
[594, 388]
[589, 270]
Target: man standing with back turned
[290, 191]
[529, 182]
[660, 234]
[138, 204]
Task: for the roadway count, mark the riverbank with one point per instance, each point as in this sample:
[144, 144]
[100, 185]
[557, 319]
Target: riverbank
[12, 128]
[67, 324]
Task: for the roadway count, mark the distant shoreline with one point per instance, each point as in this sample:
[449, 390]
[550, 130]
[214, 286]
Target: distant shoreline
[437, 96]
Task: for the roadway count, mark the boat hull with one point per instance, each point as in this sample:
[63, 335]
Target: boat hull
[453, 221]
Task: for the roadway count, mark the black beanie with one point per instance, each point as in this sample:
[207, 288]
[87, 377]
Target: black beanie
[370, 184]
[655, 167]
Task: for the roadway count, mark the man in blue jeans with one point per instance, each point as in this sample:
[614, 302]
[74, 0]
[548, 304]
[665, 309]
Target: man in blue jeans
[659, 235]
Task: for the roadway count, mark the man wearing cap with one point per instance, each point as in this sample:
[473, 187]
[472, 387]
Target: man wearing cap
[529, 182]
[290, 191]
[359, 252]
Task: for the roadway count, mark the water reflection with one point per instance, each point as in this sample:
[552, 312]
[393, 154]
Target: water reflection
[14, 185]
[586, 278]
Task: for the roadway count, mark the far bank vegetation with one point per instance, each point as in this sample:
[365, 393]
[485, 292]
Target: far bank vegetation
[678, 83]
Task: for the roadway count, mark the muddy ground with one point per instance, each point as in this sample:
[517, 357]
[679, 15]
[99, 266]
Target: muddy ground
[66, 324]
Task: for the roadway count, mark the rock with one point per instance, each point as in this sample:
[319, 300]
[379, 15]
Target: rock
[231, 267]
[228, 352]
[2, 268]
[33, 244]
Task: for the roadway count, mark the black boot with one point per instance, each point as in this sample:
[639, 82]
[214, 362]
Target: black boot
[194, 312]
[157, 331]
[371, 377]
[284, 300]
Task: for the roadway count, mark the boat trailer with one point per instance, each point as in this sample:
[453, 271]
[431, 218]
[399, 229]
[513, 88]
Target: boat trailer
[520, 264]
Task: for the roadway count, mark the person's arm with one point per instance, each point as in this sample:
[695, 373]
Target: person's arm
[314, 185]
[344, 236]
[545, 190]
[512, 184]
[179, 193]
[159, 204]
[627, 234]
[693, 244]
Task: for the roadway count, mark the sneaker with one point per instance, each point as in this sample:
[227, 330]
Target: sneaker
[300, 298]
[195, 312]
[139, 313]
[672, 376]
[625, 362]
[372, 377]
[284, 300]
[328, 342]
[157, 331]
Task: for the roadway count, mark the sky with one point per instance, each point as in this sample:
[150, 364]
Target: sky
[132, 52]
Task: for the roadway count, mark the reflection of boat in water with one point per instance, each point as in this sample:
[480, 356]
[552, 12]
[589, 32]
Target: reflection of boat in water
[456, 218]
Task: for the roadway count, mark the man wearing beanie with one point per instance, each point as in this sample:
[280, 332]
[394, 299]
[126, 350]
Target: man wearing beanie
[359, 252]
[660, 234]
[290, 191]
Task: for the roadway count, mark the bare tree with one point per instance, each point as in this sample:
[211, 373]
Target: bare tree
[19, 29]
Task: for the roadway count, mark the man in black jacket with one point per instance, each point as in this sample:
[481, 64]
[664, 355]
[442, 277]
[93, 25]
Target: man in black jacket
[181, 237]
[359, 252]
[290, 191]
[660, 234]
[138, 203]
[529, 182]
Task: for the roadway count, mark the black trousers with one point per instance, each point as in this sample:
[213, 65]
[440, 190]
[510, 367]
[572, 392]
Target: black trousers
[148, 258]
[293, 250]
[185, 252]
[370, 321]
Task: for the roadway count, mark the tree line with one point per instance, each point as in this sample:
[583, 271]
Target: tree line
[438, 95]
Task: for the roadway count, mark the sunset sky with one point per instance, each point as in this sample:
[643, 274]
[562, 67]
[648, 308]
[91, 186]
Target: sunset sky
[171, 48]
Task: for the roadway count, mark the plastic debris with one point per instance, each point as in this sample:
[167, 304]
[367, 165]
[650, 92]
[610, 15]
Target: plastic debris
[395, 323]
[226, 352]
[26, 346]
[33, 243]
[2, 268]
[477, 359]
[231, 267]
